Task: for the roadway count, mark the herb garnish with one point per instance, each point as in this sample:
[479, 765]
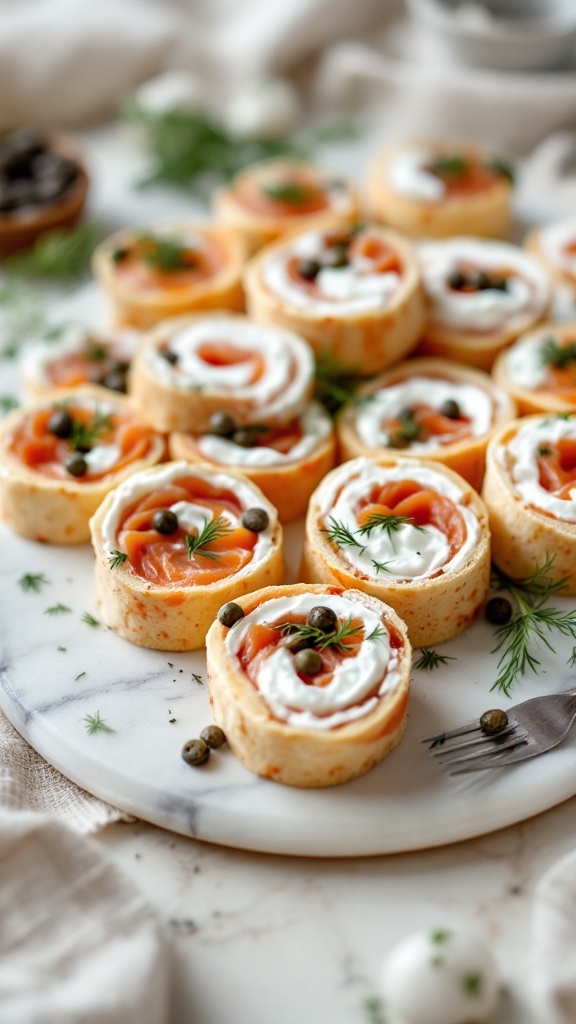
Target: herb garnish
[89, 620]
[323, 640]
[407, 431]
[79, 676]
[334, 386]
[380, 566]
[8, 403]
[499, 165]
[62, 649]
[56, 254]
[116, 558]
[96, 724]
[197, 678]
[472, 983]
[57, 609]
[84, 435]
[33, 581]
[288, 192]
[165, 253]
[439, 936]
[339, 533]
[430, 659]
[449, 166]
[554, 354]
[532, 620]
[212, 530]
[374, 1011]
[387, 522]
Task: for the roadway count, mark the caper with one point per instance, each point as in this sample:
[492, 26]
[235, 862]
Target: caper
[76, 465]
[213, 736]
[481, 281]
[398, 439]
[298, 643]
[60, 423]
[165, 521]
[493, 721]
[195, 752]
[322, 618]
[255, 519]
[308, 661]
[308, 269]
[498, 611]
[246, 437]
[457, 280]
[221, 424]
[170, 357]
[119, 255]
[450, 409]
[115, 380]
[230, 613]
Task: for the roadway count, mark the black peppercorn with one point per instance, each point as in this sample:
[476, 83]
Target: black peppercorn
[60, 423]
[498, 611]
[221, 424]
[165, 521]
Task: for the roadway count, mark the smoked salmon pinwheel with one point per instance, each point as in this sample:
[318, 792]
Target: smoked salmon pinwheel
[78, 357]
[530, 493]
[554, 245]
[353, 293]
[310, 683]
[427, 408]
[481, 296]
[413, 534]
[60, 456]
[176, 542]
[539, 370]
[266, 200]
[287, 462]
[168, 270]
[439, 189]
[191, 368]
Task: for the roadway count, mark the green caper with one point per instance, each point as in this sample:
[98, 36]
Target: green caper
[322, 618]
[165, 521]
[498, 611]
[221, 424]
[493, 721]
[255, 519]
[213, 736]
[230, 613]
[195, 752]
[76, 465]
[308, 661]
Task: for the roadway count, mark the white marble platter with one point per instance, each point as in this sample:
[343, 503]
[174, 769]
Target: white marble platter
[56, 669]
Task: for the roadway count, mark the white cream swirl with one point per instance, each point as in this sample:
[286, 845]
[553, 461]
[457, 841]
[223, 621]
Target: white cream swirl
[273, 373]
[478, 405]
[357, 684]
[190, 515]
[527, 292]
[407, 175]
[354, 288]
[558, 244]
[314, 423]
[526, 366]
[409, 552]
[520, 459]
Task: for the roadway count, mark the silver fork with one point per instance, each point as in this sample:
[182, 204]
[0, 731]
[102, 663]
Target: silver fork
[533, 727]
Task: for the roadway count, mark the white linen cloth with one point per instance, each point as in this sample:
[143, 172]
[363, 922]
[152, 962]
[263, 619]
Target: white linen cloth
[64, 61]
[78, 942]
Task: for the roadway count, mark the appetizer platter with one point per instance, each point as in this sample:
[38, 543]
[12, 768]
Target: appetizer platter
[347, 607]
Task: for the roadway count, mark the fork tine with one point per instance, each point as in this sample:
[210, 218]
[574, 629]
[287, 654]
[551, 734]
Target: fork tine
[476, 741]
[442, 736]
[514, 741]
[521, 753]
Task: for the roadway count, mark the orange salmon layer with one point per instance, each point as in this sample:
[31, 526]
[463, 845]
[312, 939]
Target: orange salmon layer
[222, 353]
[383, 258]
[203, 263]
[557, 467]
[38, 449]
[262, 640]
[423, 506]
[81, 367]
[164, 560]
[562, 379]
[308, 198]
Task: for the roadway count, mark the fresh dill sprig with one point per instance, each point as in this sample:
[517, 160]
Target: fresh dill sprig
[377, 633]
[531, 624]
[500, 165]
[338, 532]
[335, 386]
[407, 431]
[322, 640]
[89, 620]
[57, 609]
[197, 678]
[430, 659]
[288, 192]
[33, 581]
[380, 566]
[79, 676]
[165, 253]
[8, 403]
[387, 522]
[212, 530]
[56, 254]
[116, 558]
[449, 165]
[96, 724]
[554, 354]
[84, 435]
